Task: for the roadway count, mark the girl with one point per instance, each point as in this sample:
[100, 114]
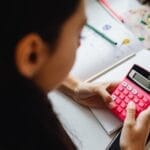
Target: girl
[37, 51]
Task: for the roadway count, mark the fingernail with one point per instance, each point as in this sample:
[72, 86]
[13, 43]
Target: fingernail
[112, 105]
[131, 105]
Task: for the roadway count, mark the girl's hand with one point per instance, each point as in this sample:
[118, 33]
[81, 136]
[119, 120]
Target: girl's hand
[135, 131]
[94, 94]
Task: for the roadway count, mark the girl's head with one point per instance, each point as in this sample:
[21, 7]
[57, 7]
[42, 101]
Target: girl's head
[40, 38]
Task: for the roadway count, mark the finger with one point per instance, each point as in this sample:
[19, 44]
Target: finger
[111, 105]
[112, 86]
[84, 91]
[130, 115]
[143, 120]
[106, 97]
[143, 123]
[93, 102]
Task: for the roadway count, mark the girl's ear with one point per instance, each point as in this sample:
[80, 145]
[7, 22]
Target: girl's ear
[31, 52]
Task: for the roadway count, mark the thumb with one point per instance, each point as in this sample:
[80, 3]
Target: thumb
[130, 115]
[144, 119]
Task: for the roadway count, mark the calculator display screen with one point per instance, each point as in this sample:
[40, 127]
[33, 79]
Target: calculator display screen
[140, 79]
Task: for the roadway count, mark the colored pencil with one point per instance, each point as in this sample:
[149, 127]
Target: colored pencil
[107, 6]
[101, 34]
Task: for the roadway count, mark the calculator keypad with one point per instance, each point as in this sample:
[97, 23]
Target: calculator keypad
[125, 93]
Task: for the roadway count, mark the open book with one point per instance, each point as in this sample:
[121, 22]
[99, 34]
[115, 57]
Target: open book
[96, 55]
[138, 21]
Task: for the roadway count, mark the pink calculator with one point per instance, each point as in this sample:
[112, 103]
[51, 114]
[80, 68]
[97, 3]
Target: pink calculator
[135, 87]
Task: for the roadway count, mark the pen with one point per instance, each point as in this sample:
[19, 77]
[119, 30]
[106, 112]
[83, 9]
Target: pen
[111, 11]
[101, 34]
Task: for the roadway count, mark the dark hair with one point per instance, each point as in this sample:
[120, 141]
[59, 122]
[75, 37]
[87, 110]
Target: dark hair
[27, 117]
[20, 17]
[145, 2]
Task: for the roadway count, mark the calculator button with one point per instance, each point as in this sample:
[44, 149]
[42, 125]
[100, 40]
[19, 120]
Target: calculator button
[136, 100]
[125, 92]
[141, 104]
[119, 109]
[127, 100]
[146, 105]
[140, 96]
[124, 84]
[130, 96]
[118, 101]
[117, 93]
[129, 87]
[123, 105]
[114, 97]
[121, 88]
[139, 109]
[145, 100]
[149, 101]
[134, 91]
[123, 113]
[122, 96]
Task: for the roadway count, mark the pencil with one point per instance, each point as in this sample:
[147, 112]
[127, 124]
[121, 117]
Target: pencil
[101, 34]
[92, 78]
[110, 10]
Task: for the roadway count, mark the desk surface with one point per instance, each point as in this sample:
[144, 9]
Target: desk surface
[80, 123]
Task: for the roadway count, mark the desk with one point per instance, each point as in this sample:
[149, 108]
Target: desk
[79, 122]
